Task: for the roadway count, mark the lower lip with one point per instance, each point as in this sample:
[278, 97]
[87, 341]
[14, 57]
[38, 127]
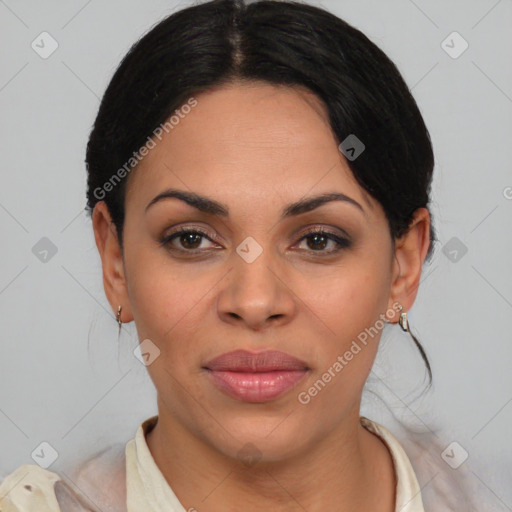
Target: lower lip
[256, 387]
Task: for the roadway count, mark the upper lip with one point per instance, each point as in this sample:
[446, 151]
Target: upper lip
[245, 361]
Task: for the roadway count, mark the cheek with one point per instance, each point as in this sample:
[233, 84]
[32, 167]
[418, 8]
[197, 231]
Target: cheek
[348, 309]
[167, 310]
[351, 298]
[155, 295]
[169, 305]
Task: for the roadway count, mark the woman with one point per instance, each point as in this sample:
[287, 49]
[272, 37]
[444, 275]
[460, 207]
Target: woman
[258, 180]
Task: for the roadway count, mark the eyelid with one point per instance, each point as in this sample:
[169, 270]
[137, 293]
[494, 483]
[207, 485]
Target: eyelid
[178, 229]
[303, 232]
[339, 236]
[336, 231]
[167, 239]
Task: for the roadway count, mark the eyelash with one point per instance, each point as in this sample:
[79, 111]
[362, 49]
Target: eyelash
[342, 243]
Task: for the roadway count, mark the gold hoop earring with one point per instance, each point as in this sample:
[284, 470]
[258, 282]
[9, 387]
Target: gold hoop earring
[119, 321]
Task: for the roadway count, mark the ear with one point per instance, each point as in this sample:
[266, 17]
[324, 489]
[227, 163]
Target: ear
[410, 252]
[107, 242]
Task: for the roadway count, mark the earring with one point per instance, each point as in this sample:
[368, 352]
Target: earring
[402, 321]
[119, 321]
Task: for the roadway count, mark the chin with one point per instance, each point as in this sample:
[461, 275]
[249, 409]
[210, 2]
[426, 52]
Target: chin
[263, 439]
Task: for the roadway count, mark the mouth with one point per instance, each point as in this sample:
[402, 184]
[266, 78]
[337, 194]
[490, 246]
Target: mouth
[259, 377]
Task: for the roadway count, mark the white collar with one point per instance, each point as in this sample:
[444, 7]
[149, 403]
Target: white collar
[147, 488]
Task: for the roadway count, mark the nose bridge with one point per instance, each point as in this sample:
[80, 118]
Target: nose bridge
[254, 292]
[253, 263]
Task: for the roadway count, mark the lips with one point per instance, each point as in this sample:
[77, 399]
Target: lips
[256, 377]
[244, 361]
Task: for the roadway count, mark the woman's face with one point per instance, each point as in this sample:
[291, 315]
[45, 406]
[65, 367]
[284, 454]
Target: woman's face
[254, 279]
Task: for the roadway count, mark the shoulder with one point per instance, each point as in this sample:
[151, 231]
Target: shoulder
[101, 480]
[29, 488]
[440, 482]
[97, 484]
[419, 460]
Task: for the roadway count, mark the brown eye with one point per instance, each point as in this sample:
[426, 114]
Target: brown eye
[317, 240]
[189, 239]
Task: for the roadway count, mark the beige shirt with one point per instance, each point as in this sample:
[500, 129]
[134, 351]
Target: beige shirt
[32, 489]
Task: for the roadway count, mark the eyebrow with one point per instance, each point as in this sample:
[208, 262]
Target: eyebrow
[212, 207]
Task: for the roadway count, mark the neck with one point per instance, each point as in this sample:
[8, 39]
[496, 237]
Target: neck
[348, 469]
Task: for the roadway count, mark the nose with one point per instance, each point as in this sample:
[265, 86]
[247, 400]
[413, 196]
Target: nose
[255, 293]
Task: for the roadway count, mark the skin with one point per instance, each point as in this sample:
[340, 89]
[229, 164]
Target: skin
[256, 148]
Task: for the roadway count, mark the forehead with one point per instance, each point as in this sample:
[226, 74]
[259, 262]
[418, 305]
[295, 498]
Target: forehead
[250, 139]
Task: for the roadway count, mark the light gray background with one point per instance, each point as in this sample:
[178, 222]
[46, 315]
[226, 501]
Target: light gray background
[63, 378]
